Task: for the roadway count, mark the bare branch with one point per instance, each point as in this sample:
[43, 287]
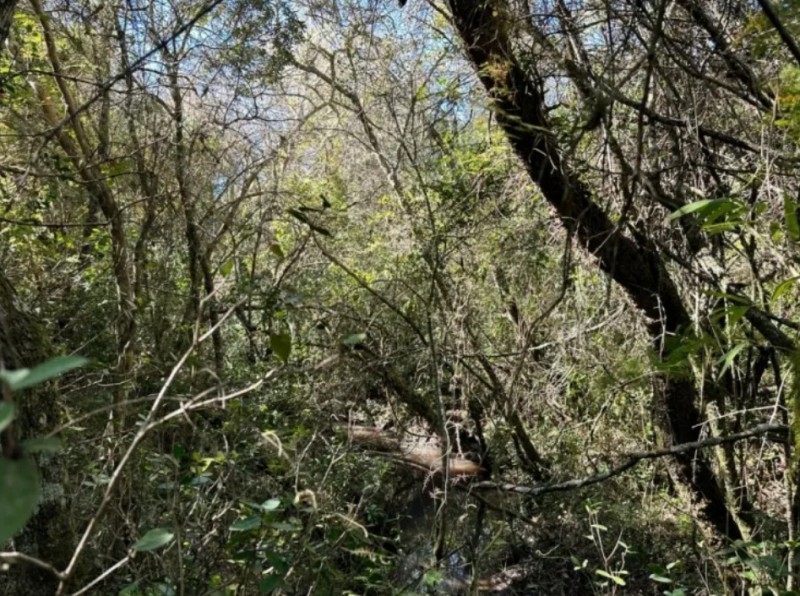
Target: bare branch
[632, 460]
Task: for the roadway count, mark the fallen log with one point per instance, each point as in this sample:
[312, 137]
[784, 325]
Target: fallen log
[421, 452]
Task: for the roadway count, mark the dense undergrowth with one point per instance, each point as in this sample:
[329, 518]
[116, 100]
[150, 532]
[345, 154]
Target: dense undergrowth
[345, 298]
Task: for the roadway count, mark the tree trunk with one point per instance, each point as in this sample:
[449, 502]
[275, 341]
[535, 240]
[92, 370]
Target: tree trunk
[518, 102]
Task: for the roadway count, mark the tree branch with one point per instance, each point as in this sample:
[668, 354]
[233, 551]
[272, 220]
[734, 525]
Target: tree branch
[786, 37]
[632, 460]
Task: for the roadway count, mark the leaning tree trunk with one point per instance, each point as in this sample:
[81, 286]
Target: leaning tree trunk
[635, 264]
[46, 536]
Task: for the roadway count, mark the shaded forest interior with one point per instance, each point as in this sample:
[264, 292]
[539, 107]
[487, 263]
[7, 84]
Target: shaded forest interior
[444, 297]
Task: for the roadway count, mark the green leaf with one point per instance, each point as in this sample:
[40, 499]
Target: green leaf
[28, 377]
[718, 228]
[14, 377]
[278, 563]
[660, 579]
[269, 584]
[736, 312]
[695, 207]
[6, 415]
[226, 268]
[42, 445]
[281, 344]
[723, 216]
[615, 578]
[200, 480]
[355, 339]
[671, 566]
[178, 451]
[130, 590]
[153, 540]
[784, 287]
[246, 524]
[730, 297]
[270, 505]
[727, 359]
[284, 526]
[276, 250]
[750, 575]
[20, 488]
[431, 578]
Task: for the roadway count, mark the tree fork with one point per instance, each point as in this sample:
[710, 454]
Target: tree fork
[634, 264]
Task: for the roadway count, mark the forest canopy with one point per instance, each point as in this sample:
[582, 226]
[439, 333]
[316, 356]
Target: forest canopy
[437, 297]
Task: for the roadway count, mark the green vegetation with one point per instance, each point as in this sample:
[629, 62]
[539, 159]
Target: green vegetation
[454, 297]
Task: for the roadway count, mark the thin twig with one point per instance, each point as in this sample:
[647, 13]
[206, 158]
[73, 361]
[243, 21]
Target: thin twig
[140, 435]
[121, 563]
[15, 557]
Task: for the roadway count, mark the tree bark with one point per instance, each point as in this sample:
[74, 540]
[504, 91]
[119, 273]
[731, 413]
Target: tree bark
[634, 263]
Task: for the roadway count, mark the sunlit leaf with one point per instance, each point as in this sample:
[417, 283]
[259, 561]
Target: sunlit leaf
[784, 287]
[154, 539]
[355, 339]
[727, 359]
[695, 207]
[271, 504]
[660, 579]
[615, 578]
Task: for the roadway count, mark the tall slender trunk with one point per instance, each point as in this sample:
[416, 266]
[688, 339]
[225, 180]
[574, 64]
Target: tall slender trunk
[199, 266]
[80, 152]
